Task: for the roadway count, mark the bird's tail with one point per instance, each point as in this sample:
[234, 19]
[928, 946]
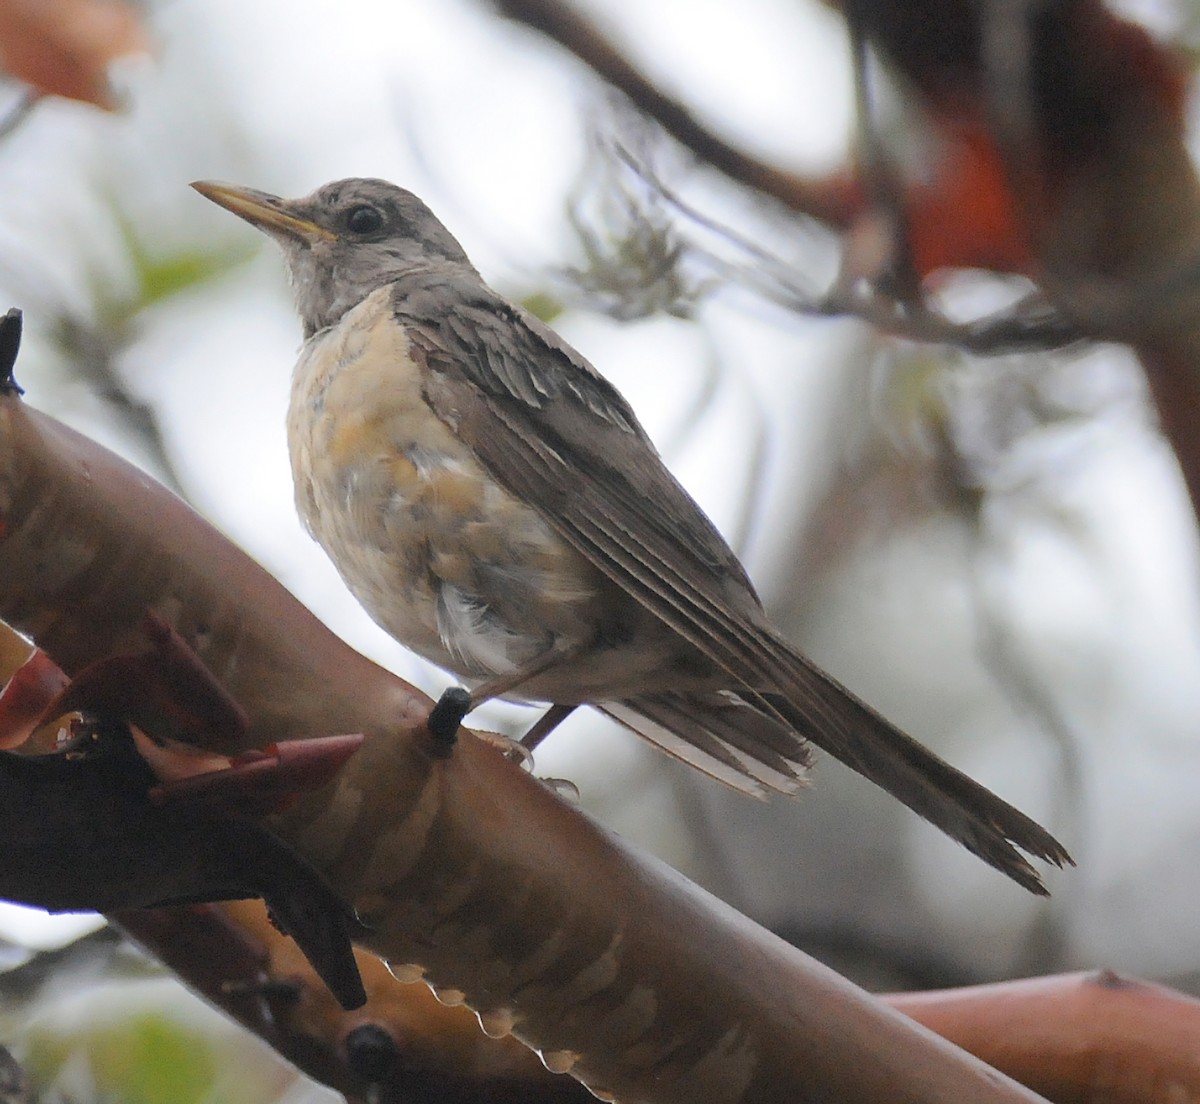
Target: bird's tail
[755, 740]
[744, 746]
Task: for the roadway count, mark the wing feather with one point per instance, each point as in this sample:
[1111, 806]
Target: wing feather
[554, 432]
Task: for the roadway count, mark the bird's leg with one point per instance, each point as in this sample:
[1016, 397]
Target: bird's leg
[545, 724]
[456, 702]
[521, 751]
[499, 685]
[445, 718]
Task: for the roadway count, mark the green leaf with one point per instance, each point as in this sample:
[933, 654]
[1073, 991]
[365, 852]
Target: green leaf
[168, 276]
[149, 1059]
[543, 305]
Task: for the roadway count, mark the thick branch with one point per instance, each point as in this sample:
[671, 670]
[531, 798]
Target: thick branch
[504, 896]
[403, 1045]
[1077, 1037]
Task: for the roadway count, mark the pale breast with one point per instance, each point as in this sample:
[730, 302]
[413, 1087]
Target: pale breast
[439, 554]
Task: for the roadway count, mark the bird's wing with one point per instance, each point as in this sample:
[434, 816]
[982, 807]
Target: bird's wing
[555, 433]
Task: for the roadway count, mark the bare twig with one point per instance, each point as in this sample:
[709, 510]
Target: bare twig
[19, 112]
[92, 351]
[1031, 325]
[1025, 688]
[1175, 387]
[633, 252]
[834, 202]
[899, 279]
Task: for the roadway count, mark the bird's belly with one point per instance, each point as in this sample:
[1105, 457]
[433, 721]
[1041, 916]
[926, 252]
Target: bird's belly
[439, 554]
[448, 564]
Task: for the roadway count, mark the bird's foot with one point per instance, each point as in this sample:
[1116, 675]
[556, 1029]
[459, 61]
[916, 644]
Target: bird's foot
[446, 717]
[519, 752]
[513, 750]
[563, 787]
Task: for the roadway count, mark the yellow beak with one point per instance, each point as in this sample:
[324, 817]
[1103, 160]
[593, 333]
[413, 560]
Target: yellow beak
[262, 210]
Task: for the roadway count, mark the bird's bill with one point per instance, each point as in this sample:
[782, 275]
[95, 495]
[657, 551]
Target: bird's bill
[262, 210]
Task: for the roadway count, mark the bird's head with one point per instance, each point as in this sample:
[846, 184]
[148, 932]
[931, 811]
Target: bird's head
[343, 241]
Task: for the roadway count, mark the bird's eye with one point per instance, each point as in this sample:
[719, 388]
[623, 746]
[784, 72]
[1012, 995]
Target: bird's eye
[363, 220]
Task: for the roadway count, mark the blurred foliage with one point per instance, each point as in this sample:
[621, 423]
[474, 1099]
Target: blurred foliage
[635, 262]
[543, 305]
[147, 1042]
[66, 47]
[145, 1059]
[98, 1020]
[159, 276]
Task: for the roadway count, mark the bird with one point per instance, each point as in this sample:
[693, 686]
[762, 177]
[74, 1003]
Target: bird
[494, 503]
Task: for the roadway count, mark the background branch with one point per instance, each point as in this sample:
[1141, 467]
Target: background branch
[1061, 154]
[835, 201]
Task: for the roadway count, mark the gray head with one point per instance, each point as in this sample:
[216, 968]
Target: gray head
[343, 241]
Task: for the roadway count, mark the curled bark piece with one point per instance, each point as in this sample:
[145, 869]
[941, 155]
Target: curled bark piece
[80, 833]
[28, 696]
[164, 689]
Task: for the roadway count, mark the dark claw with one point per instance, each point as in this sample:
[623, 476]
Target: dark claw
[446, 717]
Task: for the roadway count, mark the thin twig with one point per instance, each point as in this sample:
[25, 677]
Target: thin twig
[19, 112]
[883, 185]
[835, 202]
[1032, 325]
[1024, 686]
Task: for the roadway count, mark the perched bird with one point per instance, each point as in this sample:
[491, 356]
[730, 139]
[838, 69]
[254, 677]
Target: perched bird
[494, 504]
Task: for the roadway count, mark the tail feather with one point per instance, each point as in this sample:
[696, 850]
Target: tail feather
[737, 744]
[755, 740]
[943, 795]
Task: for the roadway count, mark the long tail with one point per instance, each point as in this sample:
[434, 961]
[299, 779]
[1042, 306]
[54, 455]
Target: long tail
[751, 741]
[739, 744]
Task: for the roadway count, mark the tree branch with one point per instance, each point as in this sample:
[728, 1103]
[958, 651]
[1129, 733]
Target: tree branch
[1077, 1037]
[502, 896]
[835, 201]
